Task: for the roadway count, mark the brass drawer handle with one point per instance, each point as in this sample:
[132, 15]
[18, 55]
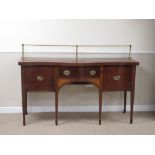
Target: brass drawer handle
[40, 78]
[92, 72]
[66, 72]
[116, 78]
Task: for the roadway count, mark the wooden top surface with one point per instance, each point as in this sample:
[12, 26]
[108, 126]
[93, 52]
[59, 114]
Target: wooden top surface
[77, 62]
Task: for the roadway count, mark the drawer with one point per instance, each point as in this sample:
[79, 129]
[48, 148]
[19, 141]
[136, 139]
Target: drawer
[117, 78]
[79, 72]
[37, 78]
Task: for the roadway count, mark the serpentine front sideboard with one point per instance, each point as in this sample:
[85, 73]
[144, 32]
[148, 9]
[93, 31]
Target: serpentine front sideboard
[107, 74]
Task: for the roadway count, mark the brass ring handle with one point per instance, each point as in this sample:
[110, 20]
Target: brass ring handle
[117, 77]
[40, 78]
[66, 72]
[92, 72]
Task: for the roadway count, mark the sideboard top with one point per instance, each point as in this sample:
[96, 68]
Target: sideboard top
[77, 62]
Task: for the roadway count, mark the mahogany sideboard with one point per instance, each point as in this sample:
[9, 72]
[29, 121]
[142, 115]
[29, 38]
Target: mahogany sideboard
[107, 74]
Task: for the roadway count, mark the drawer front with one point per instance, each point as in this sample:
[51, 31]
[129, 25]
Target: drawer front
[37, 78]
[117, 78]
[79, 72]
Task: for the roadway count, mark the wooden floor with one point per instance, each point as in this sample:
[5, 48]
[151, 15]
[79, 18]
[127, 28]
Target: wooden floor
[78, 124]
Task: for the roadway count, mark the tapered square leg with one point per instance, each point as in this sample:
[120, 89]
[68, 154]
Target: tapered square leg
[100, 106]
[132, 93]
[125, 97]
[24, 105]
[56, 108]
[131, 107]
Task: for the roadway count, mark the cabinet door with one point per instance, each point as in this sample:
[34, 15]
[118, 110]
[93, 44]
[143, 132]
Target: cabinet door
[117, 78]
[38, 78]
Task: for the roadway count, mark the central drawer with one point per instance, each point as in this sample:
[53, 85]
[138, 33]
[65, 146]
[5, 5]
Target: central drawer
[38, 78]
[79, 72]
